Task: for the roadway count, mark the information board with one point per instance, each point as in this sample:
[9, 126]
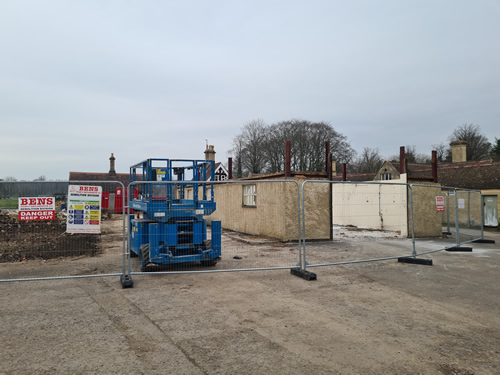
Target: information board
[461, 203]
[84, 209]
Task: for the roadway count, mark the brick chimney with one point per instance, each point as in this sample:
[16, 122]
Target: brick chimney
[458, 151]
[402, 160]
[112, 171]
[210, 153]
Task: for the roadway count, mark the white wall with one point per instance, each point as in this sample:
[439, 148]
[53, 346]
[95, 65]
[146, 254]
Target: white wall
[372, 206]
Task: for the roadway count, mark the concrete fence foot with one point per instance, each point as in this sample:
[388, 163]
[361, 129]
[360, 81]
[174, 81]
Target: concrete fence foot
[483, 241]
[459, 248]
[306, 275]
[425, 262]
[126, 281]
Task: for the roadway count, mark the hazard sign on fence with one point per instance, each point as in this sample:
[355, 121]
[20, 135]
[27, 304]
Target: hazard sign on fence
[37, 208]
[84, 209]
[440, 204]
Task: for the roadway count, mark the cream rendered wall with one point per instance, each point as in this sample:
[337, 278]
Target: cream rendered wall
[317, 210]
[427, 221]
[276, 212]
[267, 218]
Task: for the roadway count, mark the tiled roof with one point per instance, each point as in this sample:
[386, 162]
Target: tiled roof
[416, 171]
[479, 174]
[124, 178]
[281, 175]
[482, 174]
[356, 177]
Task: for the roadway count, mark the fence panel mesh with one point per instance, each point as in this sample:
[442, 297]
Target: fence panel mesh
[467, 212]
[48, 229]
[44, 233]
[429, 208]
[360, 214]
[178, 227]
[462, 218]
[448, 226]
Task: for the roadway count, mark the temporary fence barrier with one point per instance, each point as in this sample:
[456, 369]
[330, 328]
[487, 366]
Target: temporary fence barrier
[396, 214]
[468, 215]
[463, 217]
[430, 211]
[361, 212]
[254, 224]
[57, 230]
[446, 218]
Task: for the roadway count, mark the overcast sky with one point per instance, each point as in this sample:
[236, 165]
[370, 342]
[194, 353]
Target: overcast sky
[82, 79]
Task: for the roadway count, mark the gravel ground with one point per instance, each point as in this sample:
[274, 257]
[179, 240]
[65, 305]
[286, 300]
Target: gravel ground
[368, 318]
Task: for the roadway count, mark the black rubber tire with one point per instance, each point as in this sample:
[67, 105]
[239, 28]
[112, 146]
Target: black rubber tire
[209, 263]
[144, 257]
[207, 245]
[132, 254]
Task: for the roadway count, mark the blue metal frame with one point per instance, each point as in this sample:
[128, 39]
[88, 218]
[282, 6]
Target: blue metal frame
[172, 226]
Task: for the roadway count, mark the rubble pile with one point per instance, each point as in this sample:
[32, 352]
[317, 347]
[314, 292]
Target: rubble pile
[27, 240]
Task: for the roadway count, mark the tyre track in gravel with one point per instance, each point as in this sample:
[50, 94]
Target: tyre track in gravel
[153, 347]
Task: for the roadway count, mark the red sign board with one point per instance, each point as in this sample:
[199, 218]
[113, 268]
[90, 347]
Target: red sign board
[36, 215]
[37, 208]
[440, 204]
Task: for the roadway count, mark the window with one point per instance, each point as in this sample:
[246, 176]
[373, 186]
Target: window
[250, 195]
[386, 176]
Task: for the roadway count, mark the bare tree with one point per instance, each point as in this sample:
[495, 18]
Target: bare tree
[237, 153]
[248, 148]
[262, 148]
[253, 137]
[443, 152]
[369, 161]
[308, 145]
[495, 150]
[412, 156]
[276, 136]
[478, 146]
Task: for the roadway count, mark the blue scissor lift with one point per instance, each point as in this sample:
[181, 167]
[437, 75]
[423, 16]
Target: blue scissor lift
[169, 204]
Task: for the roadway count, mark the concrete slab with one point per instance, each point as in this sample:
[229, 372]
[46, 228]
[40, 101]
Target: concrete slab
[369, 318]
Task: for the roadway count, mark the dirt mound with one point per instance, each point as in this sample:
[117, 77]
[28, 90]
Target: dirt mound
[24, 240]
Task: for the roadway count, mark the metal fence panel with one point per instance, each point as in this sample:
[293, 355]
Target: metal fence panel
[463, 216]
[448, 195]
[176, 224]
[430, 211]
[36, 242]
[227, 226]
[348, 216]
[468, 215]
